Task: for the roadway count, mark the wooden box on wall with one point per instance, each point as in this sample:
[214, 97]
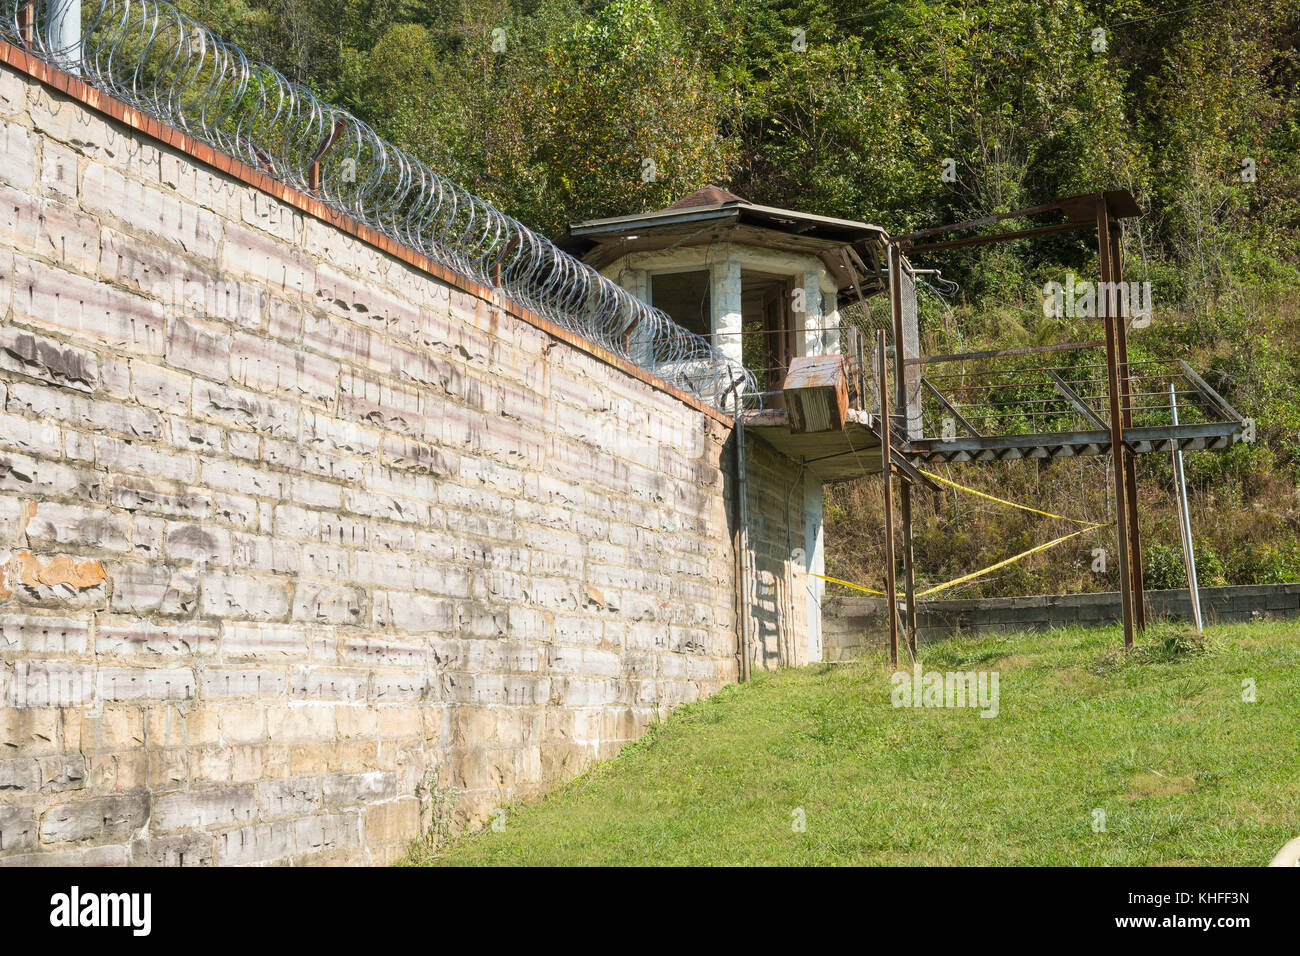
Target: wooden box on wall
[817, 393]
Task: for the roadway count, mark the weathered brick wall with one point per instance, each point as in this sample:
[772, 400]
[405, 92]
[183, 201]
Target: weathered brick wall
[298, 543]
[853, 625]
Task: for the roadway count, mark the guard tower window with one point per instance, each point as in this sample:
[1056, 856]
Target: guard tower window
[769, 327]
[685, 297]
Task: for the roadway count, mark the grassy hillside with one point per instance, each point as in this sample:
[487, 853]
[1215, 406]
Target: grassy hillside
[1162, 741]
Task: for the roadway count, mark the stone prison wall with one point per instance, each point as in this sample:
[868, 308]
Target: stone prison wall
[303, 548]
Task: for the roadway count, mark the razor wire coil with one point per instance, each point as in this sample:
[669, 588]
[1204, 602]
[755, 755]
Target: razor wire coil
[156, 59]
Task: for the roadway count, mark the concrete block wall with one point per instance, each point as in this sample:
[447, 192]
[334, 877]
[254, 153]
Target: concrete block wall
[301, 546]
[778, 628]
[852, 626]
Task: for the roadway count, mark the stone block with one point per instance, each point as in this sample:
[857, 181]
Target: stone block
[151, 684]
[260, 641]
[199, 809]
[55, 527]
[188, 849]
[228, 682]
[294, 797]
[53, 636]
[353, 789]
[194, 543]
[146, 589]
[159, 387]
[100, 819]
[329, 831]
[17, 828]
[17, 156]
[67, 366]
[199, 347]
[145, 209]
[244, 597]
[330, 604]
[328, 683]
[69, 406]
[264, 365]
[245, 409]
[259, 843]
[260, 256]
[62, 301]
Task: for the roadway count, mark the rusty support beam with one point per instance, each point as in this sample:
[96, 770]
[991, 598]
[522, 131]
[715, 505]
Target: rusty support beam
[27, 25]
[858, 375]
[313, 171]
[909, 584]
[1000, 237]
[907, 471]
[956, 415]
[1113, 392]
[983, 221]
[1002, 353]
[1130, 459]
[1071, 396]
[891, 586]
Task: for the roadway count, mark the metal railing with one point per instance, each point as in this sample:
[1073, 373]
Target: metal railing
[984, 399]
[154, 58]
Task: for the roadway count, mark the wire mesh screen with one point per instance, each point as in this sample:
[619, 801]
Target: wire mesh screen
[910, 347]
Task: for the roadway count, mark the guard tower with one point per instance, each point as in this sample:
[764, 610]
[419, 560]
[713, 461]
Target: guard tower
[765, 286]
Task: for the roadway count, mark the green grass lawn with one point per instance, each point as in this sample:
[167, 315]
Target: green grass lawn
[1185, 771]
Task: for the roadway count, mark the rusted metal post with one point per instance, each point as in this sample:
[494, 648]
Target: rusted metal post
[27, 25]
[313, 171]
[891, 587]
[1113, 394]
[1126, 407]
[909, 587]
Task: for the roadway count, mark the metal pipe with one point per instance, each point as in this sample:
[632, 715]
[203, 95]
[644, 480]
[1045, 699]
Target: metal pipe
[64, 29]
[742, 547]
[1185, 520]
[891, 587]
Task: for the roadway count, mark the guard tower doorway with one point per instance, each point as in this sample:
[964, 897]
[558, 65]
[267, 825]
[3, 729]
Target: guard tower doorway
[771, 339]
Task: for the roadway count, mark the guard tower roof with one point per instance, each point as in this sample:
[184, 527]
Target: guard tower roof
[714, 214]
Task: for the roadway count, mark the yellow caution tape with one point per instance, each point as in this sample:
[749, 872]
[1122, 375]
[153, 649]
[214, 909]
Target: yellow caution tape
[1003, 564]
[847, 584]
[1002, 501]
[966, 577]
[991, 568]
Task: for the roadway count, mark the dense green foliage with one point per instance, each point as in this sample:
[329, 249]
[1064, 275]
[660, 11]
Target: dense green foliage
[1160, 740]
[550, 107]
[554, 109]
